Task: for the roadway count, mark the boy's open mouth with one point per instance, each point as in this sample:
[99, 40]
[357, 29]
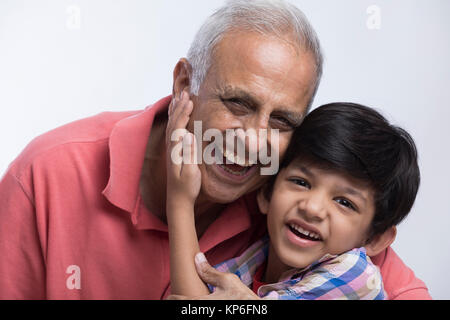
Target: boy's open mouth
[304, 234]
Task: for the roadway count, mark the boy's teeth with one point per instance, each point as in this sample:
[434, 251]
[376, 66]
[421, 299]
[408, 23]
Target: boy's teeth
[305, 232]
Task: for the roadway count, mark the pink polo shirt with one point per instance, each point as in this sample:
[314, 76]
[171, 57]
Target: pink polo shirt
[73, 224]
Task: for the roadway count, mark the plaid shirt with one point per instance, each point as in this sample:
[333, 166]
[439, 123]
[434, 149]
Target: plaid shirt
[348, 276]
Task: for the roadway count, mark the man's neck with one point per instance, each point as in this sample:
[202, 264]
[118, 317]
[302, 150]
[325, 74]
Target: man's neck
[153, 180]
[153, 175]
[206, 212]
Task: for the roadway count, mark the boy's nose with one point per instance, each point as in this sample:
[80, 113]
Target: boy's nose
[312, 206]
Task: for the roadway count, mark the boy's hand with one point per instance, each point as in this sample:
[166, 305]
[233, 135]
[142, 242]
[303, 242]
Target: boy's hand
[228, 285]
[183, 174]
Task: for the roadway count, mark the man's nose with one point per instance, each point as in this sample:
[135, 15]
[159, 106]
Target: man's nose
[258, 127]
[258, 121]
[312, 206]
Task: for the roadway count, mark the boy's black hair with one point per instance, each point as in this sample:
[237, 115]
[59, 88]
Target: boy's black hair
[359, 141]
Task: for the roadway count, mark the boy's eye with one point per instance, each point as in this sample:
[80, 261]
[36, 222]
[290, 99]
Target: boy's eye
[346, 203]
[301, 182]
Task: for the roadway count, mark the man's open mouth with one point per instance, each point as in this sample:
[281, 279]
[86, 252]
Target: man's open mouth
[234, 164]
[235, 169]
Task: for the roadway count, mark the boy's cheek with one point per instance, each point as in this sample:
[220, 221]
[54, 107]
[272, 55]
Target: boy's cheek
[340, 241]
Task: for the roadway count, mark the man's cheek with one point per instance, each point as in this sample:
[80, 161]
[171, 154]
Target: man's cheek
[283, 144]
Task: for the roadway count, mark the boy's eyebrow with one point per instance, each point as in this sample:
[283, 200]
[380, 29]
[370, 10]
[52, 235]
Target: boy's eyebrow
[304, 169]
[354, 192]
[299, 166]
[346, 190]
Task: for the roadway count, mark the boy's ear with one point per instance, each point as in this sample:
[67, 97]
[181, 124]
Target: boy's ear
[263, 203]
[181, 77]
[380, 242]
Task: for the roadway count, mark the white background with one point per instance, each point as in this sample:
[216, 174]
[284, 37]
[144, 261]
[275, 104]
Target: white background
[64, 60]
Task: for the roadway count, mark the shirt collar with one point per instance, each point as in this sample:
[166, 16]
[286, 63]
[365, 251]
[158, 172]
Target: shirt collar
[127, 147]
[237, 217]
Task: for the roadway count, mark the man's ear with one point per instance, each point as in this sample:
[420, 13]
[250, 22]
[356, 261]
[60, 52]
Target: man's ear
[181, 77]
[380, 242]
[263, 203]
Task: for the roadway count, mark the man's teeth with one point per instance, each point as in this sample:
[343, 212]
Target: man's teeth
[234, 158]
[305, 232]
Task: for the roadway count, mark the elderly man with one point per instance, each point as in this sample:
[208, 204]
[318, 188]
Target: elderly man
[83, 207]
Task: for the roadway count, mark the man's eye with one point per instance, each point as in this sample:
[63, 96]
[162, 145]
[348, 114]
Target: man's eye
[346, 203]
[301, 182]
[282, 123]
[235, 105]
[232, 101]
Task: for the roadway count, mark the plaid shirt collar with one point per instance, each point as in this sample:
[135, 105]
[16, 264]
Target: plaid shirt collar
[347, 276]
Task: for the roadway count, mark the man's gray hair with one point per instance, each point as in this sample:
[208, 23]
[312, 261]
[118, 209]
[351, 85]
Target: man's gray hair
[269, 17]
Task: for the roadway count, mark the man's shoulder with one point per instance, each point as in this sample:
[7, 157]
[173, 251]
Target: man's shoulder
[55, 142]
[399, 280]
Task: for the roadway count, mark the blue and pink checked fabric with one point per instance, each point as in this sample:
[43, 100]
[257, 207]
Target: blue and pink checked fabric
[348, 276]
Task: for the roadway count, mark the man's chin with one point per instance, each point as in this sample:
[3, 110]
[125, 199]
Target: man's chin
[219, 189]
[220, 196]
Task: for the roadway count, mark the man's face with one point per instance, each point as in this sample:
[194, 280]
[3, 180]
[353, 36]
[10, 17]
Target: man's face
[255, 82]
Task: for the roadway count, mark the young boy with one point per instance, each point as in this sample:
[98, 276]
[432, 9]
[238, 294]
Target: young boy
[347, 179]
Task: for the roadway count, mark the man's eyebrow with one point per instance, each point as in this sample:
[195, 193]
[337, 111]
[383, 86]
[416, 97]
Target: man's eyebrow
[233, 92]
[293, 117]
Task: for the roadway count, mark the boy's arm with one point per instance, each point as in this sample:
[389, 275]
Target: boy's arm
[183, 187]
[183, 248]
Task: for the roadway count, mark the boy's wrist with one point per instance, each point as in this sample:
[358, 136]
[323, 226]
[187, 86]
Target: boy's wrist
[180, 203]
[180, 194]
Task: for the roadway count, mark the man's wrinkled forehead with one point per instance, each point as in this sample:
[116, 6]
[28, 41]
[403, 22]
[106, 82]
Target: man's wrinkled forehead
[245, 61]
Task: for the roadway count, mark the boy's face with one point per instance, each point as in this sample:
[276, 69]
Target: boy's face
[333, 207]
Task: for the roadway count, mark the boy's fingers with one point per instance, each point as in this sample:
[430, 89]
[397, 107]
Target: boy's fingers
[179, 119]
[183, 153]
[207, 273]
[178, 106]
[189, 156]
[175, 152]
[176, 100]
[190, 145]
[174, 110]
[171, 106]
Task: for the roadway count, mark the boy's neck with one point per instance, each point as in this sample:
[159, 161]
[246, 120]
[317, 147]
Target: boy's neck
[275, 267]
